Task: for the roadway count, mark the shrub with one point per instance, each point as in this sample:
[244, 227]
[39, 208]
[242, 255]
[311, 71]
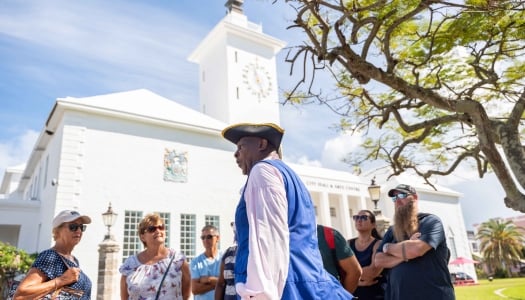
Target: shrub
[13, 259]
[480, 273]
[500, 273]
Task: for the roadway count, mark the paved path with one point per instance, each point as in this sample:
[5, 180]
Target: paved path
[498, 292]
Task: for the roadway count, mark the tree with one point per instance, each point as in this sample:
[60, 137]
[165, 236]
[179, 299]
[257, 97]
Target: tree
[12, 260]
[501, 243]
[432, 85]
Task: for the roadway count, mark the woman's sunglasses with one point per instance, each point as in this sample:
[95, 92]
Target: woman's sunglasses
[360, 217]
[74, 227]
[152, 229]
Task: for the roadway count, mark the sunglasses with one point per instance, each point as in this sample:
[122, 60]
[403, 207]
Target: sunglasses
[207, 237]
[399, 196]
[152, 229]
[360, 217]
[74, 227]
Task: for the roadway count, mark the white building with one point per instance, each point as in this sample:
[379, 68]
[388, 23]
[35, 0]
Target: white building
[144, 153]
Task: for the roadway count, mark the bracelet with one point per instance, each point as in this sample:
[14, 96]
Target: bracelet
[55, 280]
[403, 251]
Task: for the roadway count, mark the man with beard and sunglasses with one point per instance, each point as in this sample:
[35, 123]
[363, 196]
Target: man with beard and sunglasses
[415, 250]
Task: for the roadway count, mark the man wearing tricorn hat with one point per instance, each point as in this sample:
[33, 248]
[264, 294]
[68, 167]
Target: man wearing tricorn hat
[278, 255]
[415, 250]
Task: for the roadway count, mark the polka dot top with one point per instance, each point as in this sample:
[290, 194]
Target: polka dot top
[51, 264]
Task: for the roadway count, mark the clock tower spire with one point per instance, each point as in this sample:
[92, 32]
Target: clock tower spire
[234, 5]
[237, 70]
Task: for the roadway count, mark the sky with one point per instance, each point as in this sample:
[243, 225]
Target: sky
[57, 48]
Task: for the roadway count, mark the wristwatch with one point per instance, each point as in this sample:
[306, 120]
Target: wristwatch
[385, 247]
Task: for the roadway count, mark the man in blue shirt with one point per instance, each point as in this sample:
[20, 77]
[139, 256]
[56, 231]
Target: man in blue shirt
[205, 267]
[415, 250]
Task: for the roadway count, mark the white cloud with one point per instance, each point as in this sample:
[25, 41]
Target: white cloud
[303, 160]
[336, 149]
[16, 150]
[143, 46]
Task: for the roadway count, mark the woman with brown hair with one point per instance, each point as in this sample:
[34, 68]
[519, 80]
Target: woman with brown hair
[364, 247]
[157, 272]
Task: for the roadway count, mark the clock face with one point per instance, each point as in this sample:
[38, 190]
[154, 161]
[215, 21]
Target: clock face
[257, 79]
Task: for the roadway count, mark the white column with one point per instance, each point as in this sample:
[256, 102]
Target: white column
[362, 203]
[324, 210]
[345, 216]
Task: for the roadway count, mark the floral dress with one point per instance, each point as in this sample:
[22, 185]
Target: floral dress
[144, 280]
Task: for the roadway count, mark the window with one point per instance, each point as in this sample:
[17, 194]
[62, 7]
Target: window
[451, 243]
[45, 170]
[332, 212]
[187, 235]
[166, 218]
[474, 246]
[212, 220]
[132, 243]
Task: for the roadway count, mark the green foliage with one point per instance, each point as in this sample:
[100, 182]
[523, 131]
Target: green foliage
[500, 273]
[430, 84]
[501, 245]
[480, 273]
[13, 260]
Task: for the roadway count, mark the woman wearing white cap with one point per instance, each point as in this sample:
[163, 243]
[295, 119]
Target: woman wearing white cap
[56, 269]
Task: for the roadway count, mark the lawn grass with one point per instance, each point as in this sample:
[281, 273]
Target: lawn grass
[509, 288]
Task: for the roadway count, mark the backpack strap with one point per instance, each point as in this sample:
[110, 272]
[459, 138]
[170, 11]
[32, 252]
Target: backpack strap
[329, 237]
[330, 240]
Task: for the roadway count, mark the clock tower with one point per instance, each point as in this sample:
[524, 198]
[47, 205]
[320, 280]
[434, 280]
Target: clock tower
[237, 70]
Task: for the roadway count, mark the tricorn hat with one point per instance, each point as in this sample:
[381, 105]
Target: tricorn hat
[272, 132]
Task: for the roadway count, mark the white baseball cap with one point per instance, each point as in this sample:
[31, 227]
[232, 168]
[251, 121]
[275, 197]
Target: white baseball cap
[69, 216]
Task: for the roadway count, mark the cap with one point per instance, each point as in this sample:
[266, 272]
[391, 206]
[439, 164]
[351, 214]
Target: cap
[403, 188]
[272, 132]
[68, 216]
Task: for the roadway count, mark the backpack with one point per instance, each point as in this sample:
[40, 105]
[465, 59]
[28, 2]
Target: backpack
[329, 237]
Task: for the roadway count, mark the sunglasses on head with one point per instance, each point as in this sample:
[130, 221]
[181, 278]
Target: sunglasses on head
[207, 237]
[360, 217]
[399, 196]
[74, 227]
[152, 229]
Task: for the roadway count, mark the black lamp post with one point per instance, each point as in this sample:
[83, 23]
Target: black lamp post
[108, 259]
[375, 194]
[109, 218]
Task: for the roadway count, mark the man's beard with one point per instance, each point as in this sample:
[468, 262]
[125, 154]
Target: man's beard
[405, 221]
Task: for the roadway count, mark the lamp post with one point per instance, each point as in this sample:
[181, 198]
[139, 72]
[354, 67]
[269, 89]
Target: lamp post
[108, 260]
[382, 223]
[375, 194]
[109, 218]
